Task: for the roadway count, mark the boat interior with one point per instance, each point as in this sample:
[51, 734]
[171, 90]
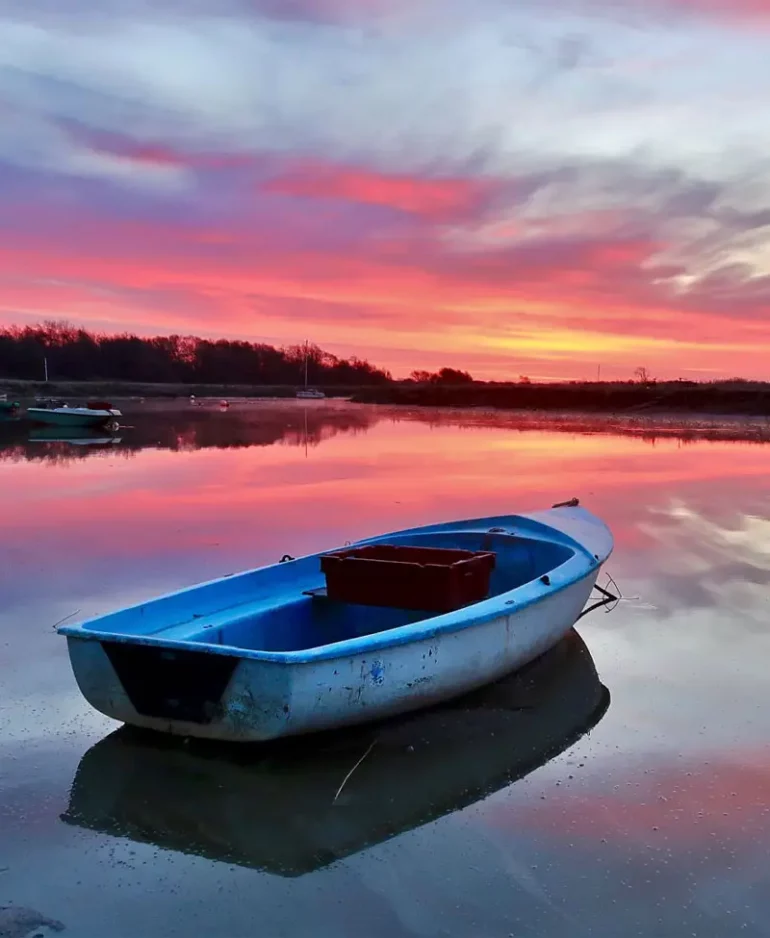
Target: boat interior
[284, 608]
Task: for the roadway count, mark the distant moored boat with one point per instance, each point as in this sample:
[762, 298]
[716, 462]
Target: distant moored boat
[58, 413]
[309, 393]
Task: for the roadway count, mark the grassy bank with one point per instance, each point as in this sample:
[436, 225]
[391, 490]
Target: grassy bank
[734, 397]
[121, 390]
[730, 397]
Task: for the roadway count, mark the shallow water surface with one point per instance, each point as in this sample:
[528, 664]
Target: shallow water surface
[617, 786]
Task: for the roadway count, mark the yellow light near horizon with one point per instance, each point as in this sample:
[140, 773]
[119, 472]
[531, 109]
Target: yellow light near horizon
[554, 341]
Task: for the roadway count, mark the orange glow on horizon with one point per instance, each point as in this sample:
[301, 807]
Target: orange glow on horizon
[461, 322]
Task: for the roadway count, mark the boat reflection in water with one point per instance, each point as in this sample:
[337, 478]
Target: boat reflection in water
[278, 807]
[75, 436]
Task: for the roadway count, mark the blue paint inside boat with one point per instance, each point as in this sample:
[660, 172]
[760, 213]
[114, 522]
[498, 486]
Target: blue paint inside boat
[257, 614]
[310, 622]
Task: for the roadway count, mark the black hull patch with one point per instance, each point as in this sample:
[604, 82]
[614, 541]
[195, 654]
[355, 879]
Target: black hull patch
[172, 684]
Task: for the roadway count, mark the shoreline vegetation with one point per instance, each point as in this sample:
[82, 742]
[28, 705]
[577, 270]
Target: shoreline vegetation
[57, 352]
[146, 390]
[735, 397]
[58, 359]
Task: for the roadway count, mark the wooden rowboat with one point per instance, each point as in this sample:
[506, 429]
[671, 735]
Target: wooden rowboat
[288, 649]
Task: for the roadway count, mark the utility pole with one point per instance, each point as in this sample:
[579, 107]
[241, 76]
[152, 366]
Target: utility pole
[45, 365]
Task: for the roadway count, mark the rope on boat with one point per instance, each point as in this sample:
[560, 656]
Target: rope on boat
[61, 621]
[286, 558]
[609, 600]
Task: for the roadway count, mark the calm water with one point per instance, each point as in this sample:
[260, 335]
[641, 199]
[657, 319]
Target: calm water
[654, 822]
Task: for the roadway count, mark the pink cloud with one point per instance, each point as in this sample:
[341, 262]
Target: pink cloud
[552, 294]
[344, 11]
[432, 198]
[153, 152]
[755, 9]
[357, 11]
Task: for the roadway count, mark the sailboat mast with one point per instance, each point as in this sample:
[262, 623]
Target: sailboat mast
[306, 353]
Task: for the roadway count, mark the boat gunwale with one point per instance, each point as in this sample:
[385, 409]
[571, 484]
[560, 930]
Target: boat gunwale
[511, 602]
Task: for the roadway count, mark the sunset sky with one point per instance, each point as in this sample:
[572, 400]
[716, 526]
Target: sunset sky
[515, 187]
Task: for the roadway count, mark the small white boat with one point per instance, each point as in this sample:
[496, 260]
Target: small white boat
[345, 637]
[58, 413]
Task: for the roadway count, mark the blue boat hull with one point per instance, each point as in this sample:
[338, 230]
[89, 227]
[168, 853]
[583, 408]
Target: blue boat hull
[254, 657]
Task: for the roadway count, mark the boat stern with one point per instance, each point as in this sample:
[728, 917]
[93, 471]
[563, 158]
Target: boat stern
[185, 692]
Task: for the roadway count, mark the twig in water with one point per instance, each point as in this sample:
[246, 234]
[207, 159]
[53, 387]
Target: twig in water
[57, 624]
[345, 780]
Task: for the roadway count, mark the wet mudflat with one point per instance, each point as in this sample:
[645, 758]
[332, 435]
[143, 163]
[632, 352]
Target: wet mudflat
[617, 786]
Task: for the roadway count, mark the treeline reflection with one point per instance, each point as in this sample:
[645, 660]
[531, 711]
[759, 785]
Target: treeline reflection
[183, 428]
